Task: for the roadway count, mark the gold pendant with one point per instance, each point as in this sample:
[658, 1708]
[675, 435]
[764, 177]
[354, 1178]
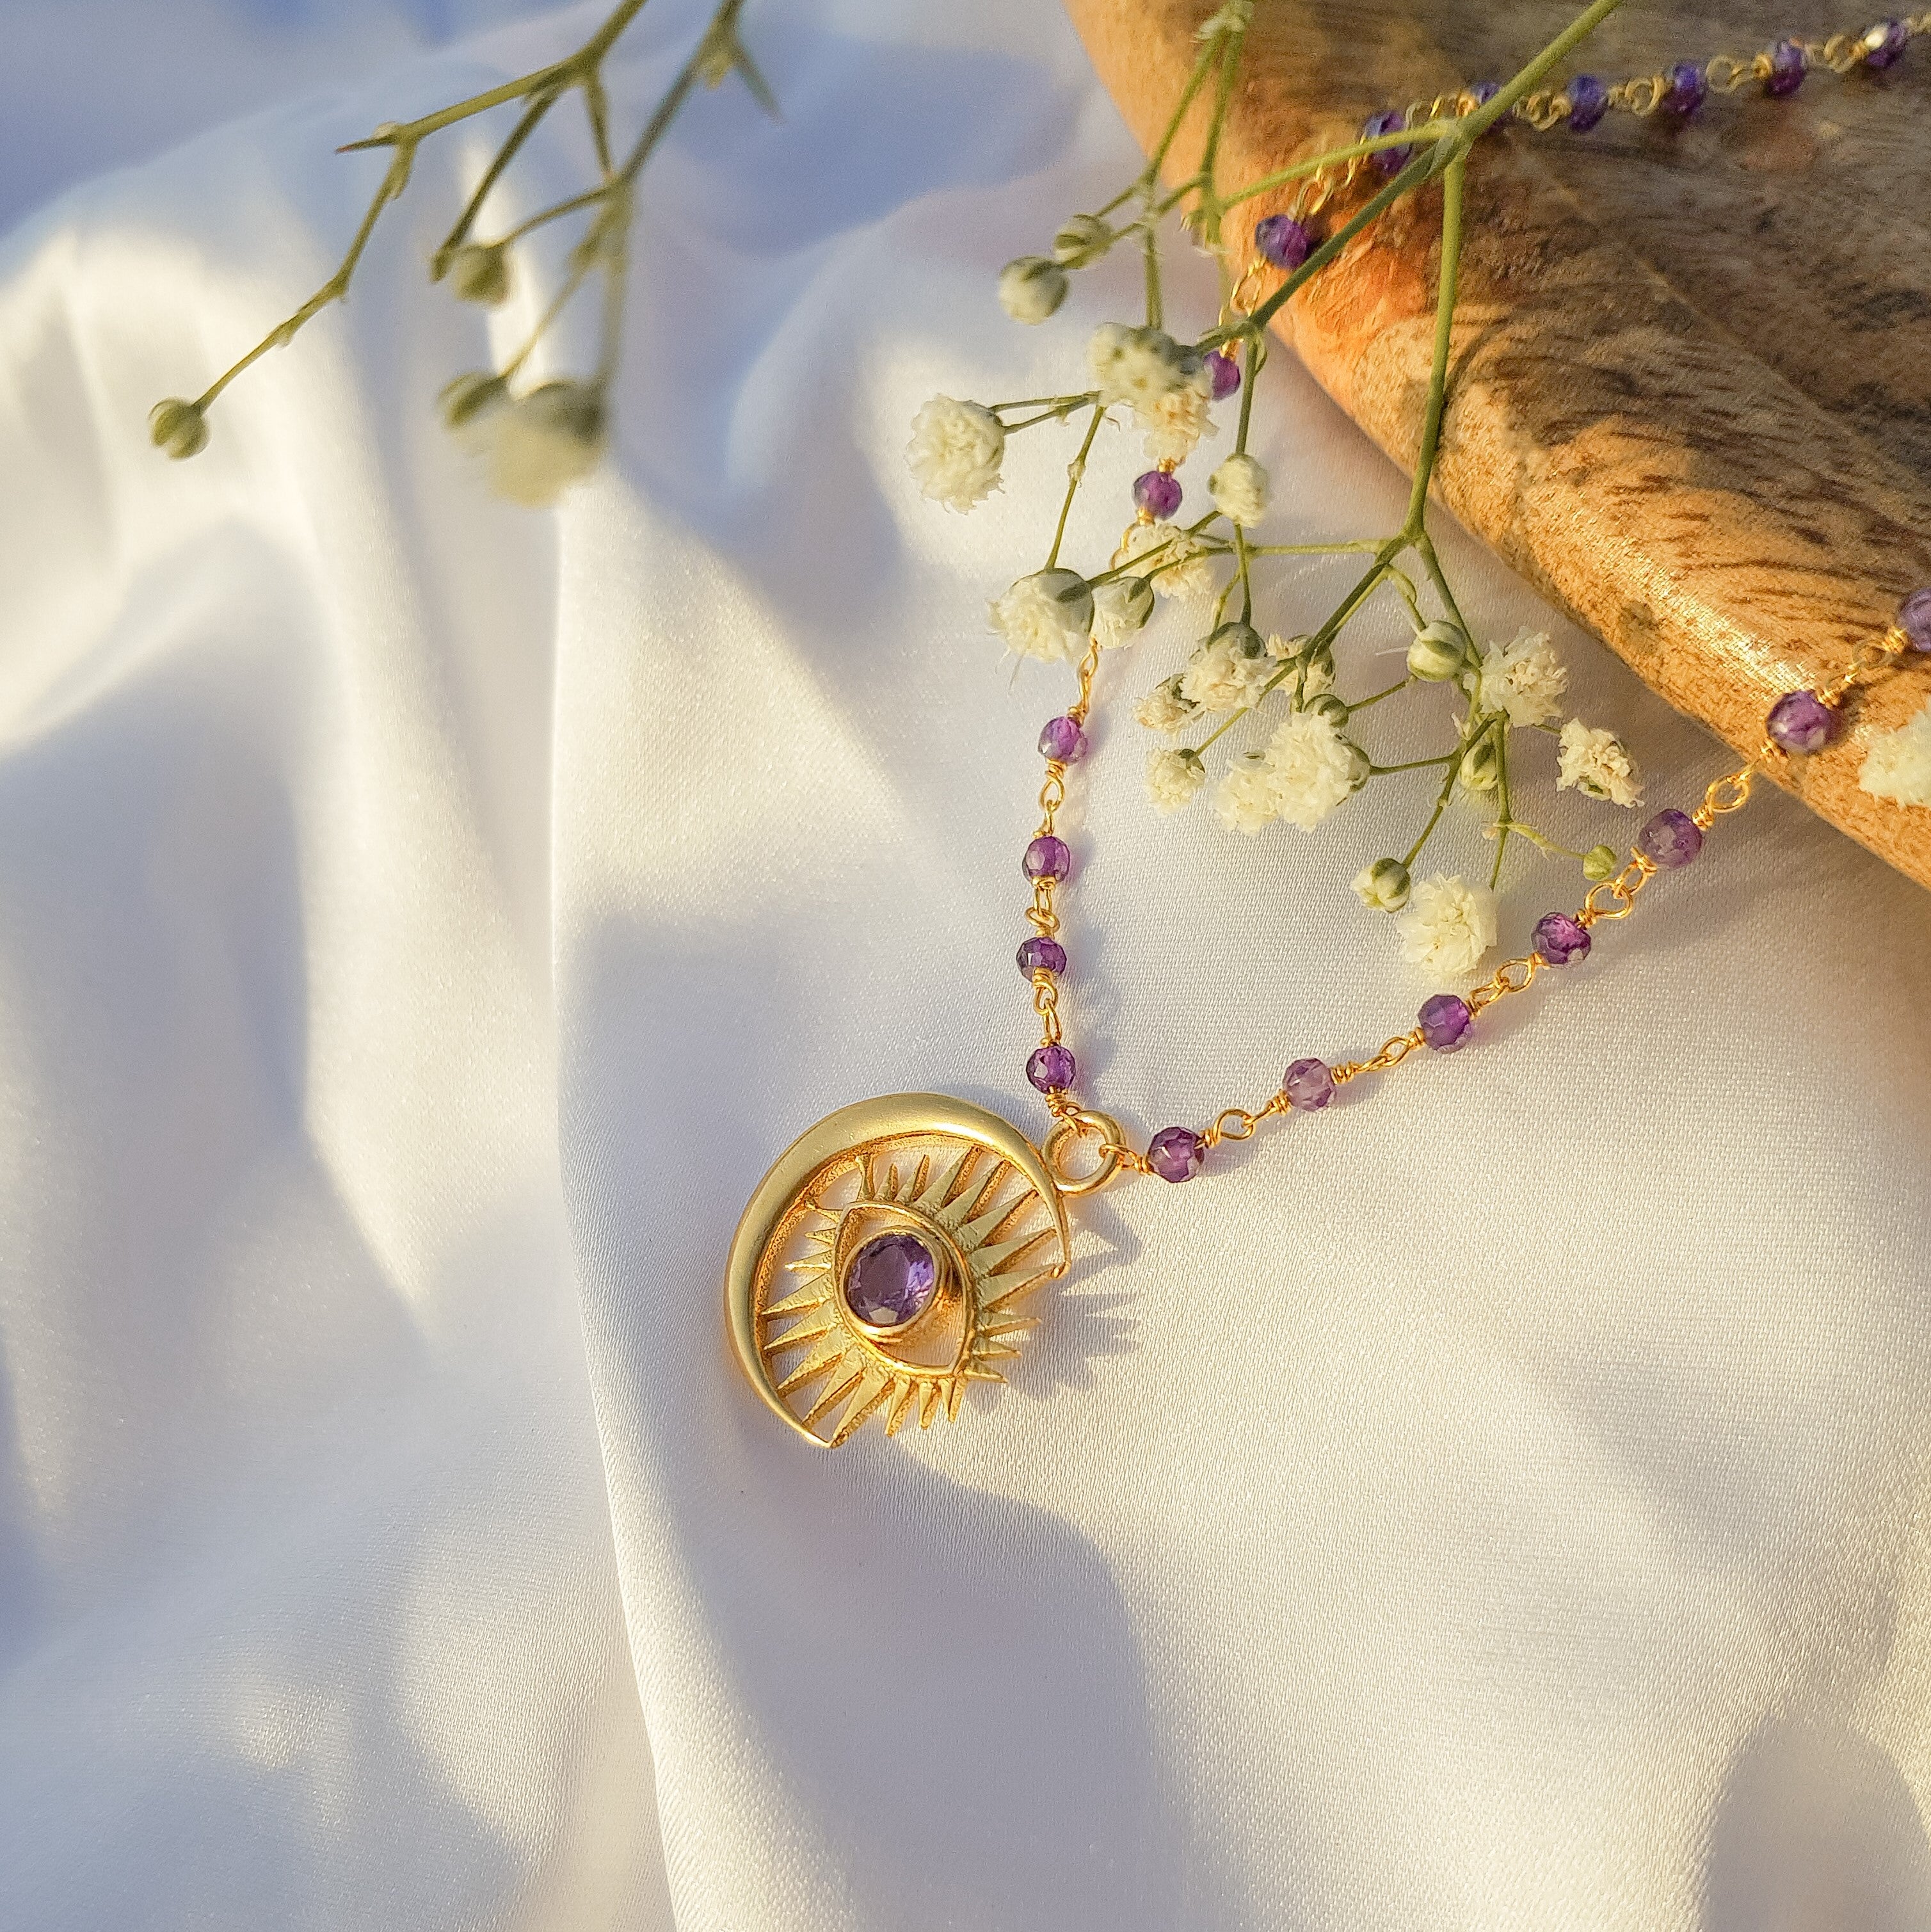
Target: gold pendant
[883, 1262]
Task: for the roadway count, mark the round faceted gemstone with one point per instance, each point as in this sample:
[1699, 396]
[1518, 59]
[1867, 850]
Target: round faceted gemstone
[1283, 241]
[1883, 42]
[1787, 67]
[1914, 619]
[1800, 720]
[1670, 839]
[891, 1279]
[1446, 1022]
[1309, 1084]
[1047, 858]
[1223, 374]
[1175, 1154]
[1158, 493]
[1063, 741]
[1483, 92]
[1051, 1068]
[1687, 88]
[1042, 955]
[1390, 121]
[1588, 102]
[1559, 939]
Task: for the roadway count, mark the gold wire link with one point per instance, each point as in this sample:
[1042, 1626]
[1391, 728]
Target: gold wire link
[1734, 72]
[1642, 95]
[1231, 1123]
[1543, 110]
[1730, 792]
[1513, 975]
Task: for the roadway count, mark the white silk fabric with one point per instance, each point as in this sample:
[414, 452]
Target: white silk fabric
[1496, 1502]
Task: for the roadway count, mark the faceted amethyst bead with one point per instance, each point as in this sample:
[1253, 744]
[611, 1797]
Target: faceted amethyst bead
[1283, 241]
[1914, 619]
[1687, 88]
[1047, 858]
[1223, 373]
[1158, 493]
[1883, 42]
[1175, 1154]
[1670, 839]
[1390, 121]
[1446, 1022]
[1484, 91]
[1051, 1067]
[1559, 939]
[1800, 720]
[1787, 69]
[1063, 741]
[892, 1278]
[1042, 955]
[1309, 1084]
[1588, 102]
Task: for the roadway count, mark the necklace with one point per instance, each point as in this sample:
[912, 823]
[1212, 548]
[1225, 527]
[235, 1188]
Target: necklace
[887, 1260]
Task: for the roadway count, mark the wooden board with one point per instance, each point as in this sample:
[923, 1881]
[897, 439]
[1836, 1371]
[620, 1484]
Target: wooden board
[1692, 399]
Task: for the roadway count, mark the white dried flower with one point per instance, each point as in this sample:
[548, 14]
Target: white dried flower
[1244, 798]
[536, 446]
[1120, 609]
[1173, 778]
[1524, 679]
[1176, 422]
[1312, 769]
[1239, 488]
[1039, 617]
[1281, 648]
[1163, 708]
[956, 452]
[1138, 366]
[1448, 925]
[1183, 568]
[1897, 764]
[1032, 288]
[1597, 763]
[1229, 671]
[1384, 885]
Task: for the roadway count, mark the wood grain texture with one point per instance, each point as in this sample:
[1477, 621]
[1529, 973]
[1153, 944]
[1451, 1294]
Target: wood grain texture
[1692, 363]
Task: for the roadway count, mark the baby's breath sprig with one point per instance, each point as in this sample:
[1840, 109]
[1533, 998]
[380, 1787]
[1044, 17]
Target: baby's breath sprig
[536, 439]
[1314, 759]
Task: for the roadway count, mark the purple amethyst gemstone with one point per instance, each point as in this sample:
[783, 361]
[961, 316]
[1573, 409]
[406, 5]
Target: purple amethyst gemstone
[1687, 88]
[1309, 1084]
[1283, 241]
[1223, 372]
[1670, 839]
[1800, 720]
[1588, 102]
[1042, 955]
[1158, 493]
[1914, 619]
[1050, 1068]
[1175, 1154]
[1446, 1022]
[1885, 42]
[1787, 69]
[1390, 121]
[1063, 741]
[892, 1278]
[1047, 858]
[1559, 939]
[1483, 92]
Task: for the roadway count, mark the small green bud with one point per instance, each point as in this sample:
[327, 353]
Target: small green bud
[1599, 863]
[468, 396]
[1067, 587]
[179, 426]
[1439, 651]
[1134, 598]
[1242, 640]
[1384, 885]
[1319, 674]
[1363, 765]
[480, 272]
[1082, 241]
[1482, 766]
[1031, 288]
[1328, 706]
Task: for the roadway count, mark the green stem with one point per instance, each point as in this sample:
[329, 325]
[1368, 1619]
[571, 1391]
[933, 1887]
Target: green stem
[1075, 471]
[1444, 327]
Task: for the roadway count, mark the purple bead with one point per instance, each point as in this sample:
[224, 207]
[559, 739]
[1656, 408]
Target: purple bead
[1063, 741]
[1390, 121]
[1446, 1022]
[1588, 102]
[1158, 492]
[1283, 241]
[1309, 1084]
[1800, 720]
[1484, 91]
[1175, 1154]
[1687, 88]
[1914, 619]
[1787, 69]
[1047, 858]
[1559, 939]
[1885, 42]
[1050, 1068]
[892, 1278]
[1670, 839]
[1223, 372]
[1042, 955]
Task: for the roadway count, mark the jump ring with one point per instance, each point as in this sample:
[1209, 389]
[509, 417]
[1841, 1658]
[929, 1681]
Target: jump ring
[1084, 1125]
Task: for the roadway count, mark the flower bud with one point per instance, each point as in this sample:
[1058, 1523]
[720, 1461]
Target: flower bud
[1319, 674]
[1384, 885]
[179, 428]
[1599, 863]
[1481, 766]
[1072, 593]
[1439, 651]
[1031, 288]
[1328, 706]
[1133, 596]
[1363, 765]
[480, 272]
[1082, 241]
[1242, 640]
[469, 396]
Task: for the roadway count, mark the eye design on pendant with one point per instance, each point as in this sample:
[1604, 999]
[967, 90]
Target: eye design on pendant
[887, 1274]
